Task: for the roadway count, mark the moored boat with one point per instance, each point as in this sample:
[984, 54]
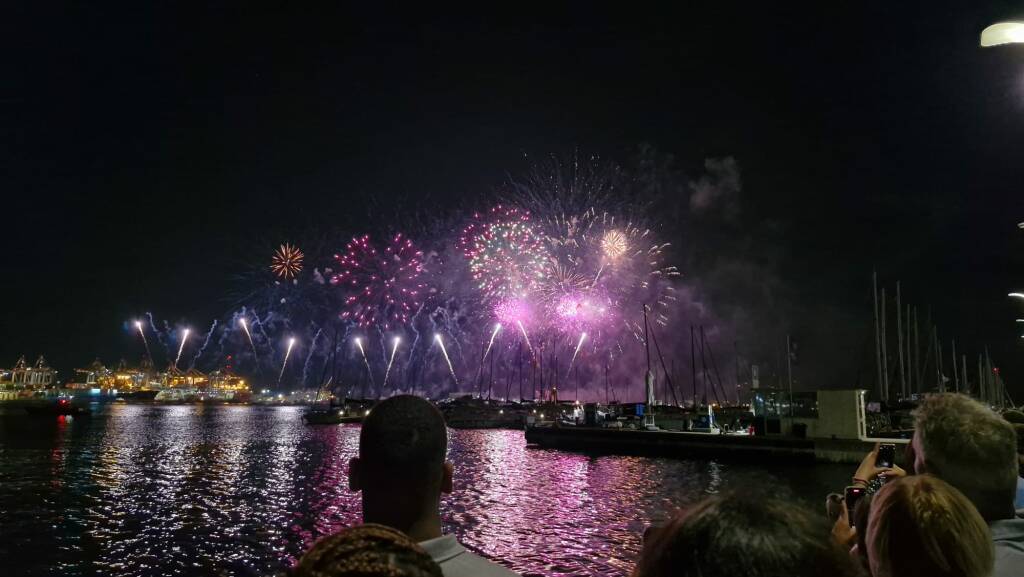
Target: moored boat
[331, 416]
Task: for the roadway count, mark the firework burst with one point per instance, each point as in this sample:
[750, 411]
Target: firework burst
[382, 287]
[512, 310]
[614, 244]
[576, 311]
[604, 258]
[507, 257]
[287, 261]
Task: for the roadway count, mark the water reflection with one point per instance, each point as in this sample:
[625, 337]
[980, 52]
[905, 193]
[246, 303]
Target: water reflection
[144, 490]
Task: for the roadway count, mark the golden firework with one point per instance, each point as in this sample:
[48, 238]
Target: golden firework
[614, 244]
[287, 261]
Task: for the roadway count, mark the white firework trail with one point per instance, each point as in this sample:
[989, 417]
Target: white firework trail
[245, 327]
[181, 347]
[525, 336]
[387, 372]
[312, 349]
[287, 353]
[142, 333]
[583, 336]
[366, 361]
[451, 369]
[494, 333]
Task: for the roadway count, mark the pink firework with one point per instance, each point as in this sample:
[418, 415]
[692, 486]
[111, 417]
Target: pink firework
[507, 256]
[381, 285]
[579, 311]
[512, 311]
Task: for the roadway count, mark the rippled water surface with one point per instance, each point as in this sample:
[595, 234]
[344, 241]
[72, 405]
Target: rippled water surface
[190, 490]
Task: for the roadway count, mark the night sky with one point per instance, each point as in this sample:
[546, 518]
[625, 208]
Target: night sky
[150, 153]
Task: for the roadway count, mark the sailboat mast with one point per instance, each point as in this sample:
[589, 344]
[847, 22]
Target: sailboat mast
[899, 339]
[878, 334]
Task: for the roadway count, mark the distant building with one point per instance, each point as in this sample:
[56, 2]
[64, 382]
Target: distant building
[225, 380]
[175, 378]
[23, 376]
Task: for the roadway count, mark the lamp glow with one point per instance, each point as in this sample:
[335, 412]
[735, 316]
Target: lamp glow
[1003, 33]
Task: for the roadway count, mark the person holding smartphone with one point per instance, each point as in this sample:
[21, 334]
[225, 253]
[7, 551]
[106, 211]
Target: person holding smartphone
[879, 463]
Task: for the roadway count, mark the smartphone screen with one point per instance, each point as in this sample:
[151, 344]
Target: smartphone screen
[851, 496]
[886, 455]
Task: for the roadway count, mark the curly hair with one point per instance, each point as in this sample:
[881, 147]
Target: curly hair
[366, 551]
[970, 447]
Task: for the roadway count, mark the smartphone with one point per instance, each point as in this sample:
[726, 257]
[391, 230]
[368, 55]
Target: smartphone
[851, 496]
[886, 455]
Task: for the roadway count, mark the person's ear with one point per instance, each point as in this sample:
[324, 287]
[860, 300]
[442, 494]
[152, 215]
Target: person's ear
[446, 477]
[354, 482]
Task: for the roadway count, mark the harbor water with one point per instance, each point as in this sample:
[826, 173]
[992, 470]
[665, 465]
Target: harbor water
[146, 490]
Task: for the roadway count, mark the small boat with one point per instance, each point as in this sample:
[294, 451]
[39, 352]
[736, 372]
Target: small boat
[331, 416]
[61, 407]
[323, 411]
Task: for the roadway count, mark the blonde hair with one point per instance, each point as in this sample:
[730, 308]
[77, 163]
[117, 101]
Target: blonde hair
[921, 525]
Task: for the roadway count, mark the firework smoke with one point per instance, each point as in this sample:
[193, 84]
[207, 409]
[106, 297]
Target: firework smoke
[206, 341]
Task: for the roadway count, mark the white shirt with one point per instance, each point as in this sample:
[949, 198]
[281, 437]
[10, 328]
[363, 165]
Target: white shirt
[456, 561]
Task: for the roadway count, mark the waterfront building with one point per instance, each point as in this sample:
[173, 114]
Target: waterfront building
[38, 376]
[95, 376]
[175, 378]
[127, 378]
[225, 381]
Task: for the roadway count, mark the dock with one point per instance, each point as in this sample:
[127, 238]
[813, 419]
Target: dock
[838, 434]
[682, 445]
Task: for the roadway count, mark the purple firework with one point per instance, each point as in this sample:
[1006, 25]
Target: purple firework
[382, 286]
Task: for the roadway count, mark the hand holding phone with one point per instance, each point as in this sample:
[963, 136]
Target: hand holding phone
[886, 456]
[853, 494]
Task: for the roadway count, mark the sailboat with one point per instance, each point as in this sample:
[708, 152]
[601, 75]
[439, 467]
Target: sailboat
[327, 413]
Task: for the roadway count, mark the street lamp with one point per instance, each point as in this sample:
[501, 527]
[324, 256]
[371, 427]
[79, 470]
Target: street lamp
[1003, 33]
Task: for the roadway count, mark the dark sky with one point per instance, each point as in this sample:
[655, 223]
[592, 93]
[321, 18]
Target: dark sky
[147, 150]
